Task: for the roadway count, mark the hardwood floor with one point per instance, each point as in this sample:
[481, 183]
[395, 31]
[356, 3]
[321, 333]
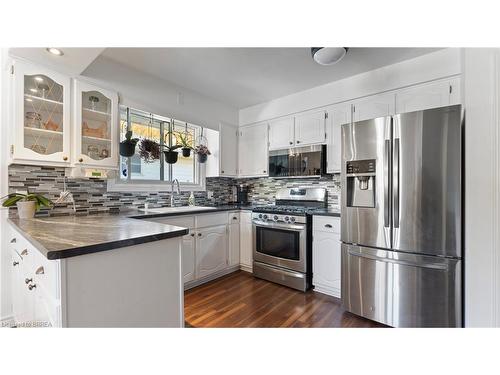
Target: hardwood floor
[240, 300]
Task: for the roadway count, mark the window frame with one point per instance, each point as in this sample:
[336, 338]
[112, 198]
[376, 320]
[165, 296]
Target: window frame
[118, 184]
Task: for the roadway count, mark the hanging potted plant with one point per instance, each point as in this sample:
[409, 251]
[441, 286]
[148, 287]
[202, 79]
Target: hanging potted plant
[27, 204]
[149, 150]
[127, 146]
[171, 155]
[202, 151]
[185, 145]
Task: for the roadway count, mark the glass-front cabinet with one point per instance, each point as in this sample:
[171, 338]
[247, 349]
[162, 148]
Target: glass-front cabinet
[96, 126]
[41, 116]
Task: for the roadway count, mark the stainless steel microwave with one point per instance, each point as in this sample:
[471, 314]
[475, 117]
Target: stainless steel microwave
[307, 161]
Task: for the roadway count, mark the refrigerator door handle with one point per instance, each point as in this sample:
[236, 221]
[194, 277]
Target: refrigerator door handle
[438, 266]
[387, 156]
[395, 181]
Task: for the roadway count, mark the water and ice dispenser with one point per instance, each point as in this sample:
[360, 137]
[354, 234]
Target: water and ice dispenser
[360, 183]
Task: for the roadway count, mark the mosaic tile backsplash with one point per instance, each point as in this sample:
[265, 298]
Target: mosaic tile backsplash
[91, 195]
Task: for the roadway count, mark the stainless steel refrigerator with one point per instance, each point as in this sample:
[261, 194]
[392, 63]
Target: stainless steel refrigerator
[401, 218]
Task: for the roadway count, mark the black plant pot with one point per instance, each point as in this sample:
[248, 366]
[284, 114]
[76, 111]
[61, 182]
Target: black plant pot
[171, 156]
[127, 149]
[202, 158]
[186, 151]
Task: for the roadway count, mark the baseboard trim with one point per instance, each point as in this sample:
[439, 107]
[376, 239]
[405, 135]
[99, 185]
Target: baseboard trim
[206, 279]
[334, 292]
[246, 268]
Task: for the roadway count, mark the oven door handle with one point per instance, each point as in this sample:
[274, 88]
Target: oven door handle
[294, 227]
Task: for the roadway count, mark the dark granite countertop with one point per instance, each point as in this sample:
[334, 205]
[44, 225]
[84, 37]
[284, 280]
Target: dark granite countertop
[326, 212]
[67, 236]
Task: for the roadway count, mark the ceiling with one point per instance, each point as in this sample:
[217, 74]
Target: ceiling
[242, 77]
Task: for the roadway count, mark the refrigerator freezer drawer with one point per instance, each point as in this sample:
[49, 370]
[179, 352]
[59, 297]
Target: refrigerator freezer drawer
[401, 289]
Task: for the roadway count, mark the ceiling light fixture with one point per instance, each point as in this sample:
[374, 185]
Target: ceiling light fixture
[54, 51]
[328, 55]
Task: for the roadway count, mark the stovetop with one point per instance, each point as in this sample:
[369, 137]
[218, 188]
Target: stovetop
[284, 209]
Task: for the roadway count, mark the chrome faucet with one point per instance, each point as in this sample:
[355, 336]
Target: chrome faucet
[176, 181]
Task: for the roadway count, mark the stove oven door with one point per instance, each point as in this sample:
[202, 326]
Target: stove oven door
[280, 244]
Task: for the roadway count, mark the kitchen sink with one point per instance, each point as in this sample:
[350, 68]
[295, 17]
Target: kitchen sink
[165, 210]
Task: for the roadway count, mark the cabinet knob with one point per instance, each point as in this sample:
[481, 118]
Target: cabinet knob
[80, 160]
[235, 218]
[65, 158]
[199, 234]
[24, 252]
[298, 142]
[40, 271]
[221, 171]
[15, 263]
[31, 286]
[264, 171]
[291, 142]
[13, 240]
[192, 234]
[27, 281]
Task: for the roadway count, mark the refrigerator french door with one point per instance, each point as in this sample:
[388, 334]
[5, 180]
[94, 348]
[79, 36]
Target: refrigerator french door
[402, 218]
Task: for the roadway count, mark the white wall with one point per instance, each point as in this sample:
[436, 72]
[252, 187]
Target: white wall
[151, 94]
[5, 297]
[482, 187]
[440, 64]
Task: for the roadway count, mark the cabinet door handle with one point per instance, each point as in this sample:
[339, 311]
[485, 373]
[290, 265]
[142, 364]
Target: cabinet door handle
[221, 171]
[235, 218]
[328, 226]
[31, 286]
[291, 142]
[65, 158]
[24, 252]
[13, 240]
[15, 263]
[27, 281]
[264, 171]
[80, 160]
[199, 234]
[40, 271]
[298, 142]
[192, 234]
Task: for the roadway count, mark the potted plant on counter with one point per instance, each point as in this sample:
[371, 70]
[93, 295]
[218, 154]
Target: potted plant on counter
[170, 154]
[202, 151]
[127, 146]
[27, 204]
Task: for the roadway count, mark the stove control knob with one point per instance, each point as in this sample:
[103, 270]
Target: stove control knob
[265, 217]
[260, 216]
[287, 218]
[275, 218]
[292, 219]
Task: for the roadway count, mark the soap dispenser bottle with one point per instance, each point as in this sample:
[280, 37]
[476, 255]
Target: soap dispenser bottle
[191, 199]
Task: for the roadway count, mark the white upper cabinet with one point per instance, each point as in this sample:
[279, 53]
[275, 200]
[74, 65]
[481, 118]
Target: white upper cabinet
[228, 150]
[282, 133]
[96, 128]
[41, 132]
[373, 106]
[310, 128]
[429, 95]
[337, 115]
[253, 151]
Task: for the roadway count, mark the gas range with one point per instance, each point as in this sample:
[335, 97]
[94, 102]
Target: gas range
[282, 244]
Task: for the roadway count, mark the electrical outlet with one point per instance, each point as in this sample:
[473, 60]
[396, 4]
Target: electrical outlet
[210, 194]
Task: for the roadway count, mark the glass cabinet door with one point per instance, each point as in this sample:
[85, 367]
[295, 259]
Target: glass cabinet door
[42, 100]
[96, 138]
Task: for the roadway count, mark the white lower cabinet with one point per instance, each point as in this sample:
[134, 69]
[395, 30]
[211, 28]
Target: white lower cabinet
[246, 241]
[326, 255]
[234, 239]
[211, 250]
[188, 257]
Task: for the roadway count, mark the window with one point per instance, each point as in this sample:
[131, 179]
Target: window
[136, 174]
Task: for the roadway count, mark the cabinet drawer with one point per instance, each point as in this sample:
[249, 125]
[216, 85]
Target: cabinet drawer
[233, 217]
[330, 224]
[46, 274]
[180, 221]
[210, 220]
